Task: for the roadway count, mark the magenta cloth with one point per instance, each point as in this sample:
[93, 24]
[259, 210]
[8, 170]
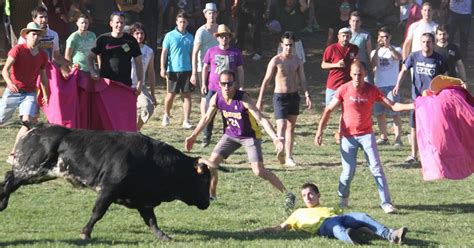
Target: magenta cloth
[81, 102]
[445, 134]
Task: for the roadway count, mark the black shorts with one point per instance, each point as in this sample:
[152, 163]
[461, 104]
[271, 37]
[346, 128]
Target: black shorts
[285, 104]
[179, 82]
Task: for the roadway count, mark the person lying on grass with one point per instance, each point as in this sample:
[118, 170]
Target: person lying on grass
[331, 223]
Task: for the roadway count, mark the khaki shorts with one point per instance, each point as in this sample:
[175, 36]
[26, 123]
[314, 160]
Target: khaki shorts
[145, 106]
[228, 145]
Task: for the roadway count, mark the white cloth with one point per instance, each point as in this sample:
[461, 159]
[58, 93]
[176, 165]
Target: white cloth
[417, 29]
[387, 69]
[147, 53]
[206, 41]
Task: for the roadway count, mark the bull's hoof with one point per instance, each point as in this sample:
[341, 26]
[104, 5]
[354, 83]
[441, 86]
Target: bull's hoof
[164, 237]
[85, 236]
[3, 204]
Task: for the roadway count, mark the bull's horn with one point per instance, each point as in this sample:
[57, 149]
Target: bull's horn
[206, 162]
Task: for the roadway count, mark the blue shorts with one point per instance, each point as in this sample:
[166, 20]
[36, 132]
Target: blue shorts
[25, 101]
[380, 109]
[329, 95]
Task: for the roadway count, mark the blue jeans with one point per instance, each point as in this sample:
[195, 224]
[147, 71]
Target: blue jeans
[463, 23]
[348, 149]
[207, 132]
[335, 227]
[329, 95]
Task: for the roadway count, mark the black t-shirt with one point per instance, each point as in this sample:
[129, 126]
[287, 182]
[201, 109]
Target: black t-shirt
[451, 54]
[116, 55]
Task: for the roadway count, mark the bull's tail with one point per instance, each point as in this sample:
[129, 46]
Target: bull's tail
[6, 188]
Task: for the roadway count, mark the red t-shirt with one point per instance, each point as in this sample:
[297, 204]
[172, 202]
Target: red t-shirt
[25, 70]
[357, 108]
[334, 53]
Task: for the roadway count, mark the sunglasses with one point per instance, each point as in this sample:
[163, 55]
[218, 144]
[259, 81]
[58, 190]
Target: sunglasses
[228, 84]
[222, 36]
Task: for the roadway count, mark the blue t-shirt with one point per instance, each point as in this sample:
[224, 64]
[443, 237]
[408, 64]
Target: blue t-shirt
[424, 70]
[180, 47]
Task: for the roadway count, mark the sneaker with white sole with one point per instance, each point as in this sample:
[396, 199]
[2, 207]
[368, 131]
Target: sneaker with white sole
[397, 236]
[389, 208]
[343, 202]
[257, 56]
[166, 121]
[187, 125]
[411, 160]
[290, 200]
[382, 142]
[290, 162]
[398, 145]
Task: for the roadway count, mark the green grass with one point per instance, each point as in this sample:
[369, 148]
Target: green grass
[438, 213]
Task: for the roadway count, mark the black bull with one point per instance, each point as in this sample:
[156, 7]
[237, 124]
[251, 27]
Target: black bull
[125, 168]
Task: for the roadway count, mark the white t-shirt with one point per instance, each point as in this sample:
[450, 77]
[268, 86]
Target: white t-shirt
[147, 53]
[206, 41]
[49, 42]
[417, 29]
[387, 69]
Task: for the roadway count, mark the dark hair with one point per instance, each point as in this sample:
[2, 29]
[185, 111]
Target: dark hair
[137, 25]
[428, 34]
[117, 13]
[227, 72]
[384, 29]
[38, 10]
[441, 28]
[182, 14]
[288, 35]
[355, 13]
[360, 64]
[312, 186]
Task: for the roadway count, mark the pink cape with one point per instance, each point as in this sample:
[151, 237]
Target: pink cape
[445, 134]
[81, 102]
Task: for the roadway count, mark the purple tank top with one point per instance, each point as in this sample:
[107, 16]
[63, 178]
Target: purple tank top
[240, 123]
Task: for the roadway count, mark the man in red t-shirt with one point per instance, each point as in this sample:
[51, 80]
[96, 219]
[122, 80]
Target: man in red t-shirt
[24, 63]
[357, 98]
[337, 58]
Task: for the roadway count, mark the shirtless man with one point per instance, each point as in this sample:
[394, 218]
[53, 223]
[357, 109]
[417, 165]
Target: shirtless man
[288, 71]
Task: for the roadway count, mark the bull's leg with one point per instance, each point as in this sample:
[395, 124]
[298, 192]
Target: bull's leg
[101, 205]
[150, 220]
[7, 187]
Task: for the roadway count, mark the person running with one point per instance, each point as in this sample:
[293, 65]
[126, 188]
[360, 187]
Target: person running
[79, 43]
[24, 63]
[331, 222]
[241, 116]
[385, 60]
[356, 99]
[146, 101]
[288, 70]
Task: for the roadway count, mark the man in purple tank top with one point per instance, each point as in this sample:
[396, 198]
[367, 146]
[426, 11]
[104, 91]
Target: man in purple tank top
[241, 116]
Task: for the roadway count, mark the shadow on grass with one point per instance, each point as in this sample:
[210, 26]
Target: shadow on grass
[75, 242]
[455, 208]
[244, 235]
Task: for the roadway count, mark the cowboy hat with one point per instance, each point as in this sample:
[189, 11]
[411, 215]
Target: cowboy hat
[223, 29]
[31, 27]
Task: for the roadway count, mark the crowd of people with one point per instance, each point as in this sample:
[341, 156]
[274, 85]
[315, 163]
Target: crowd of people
[202, 47]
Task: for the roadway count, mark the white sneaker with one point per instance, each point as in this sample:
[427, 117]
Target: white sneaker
[343, 202]
[257, 56]
[187, 125]
[389, 208]
[290, 162]
[166, 121]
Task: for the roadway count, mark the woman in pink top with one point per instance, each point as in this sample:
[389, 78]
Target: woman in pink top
[357, 98]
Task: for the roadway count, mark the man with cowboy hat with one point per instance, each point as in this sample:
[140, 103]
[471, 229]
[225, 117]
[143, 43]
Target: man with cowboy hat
[217, 59]
[203, 40]
[24, 63]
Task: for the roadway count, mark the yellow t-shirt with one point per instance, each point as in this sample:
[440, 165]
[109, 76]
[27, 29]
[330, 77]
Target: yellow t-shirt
[310, 219]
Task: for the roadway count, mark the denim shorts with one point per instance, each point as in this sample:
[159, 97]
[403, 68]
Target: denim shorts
[379, 108]
[227, 145]
[24, 101]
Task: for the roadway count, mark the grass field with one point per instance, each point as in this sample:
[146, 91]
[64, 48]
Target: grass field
[439, 213]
